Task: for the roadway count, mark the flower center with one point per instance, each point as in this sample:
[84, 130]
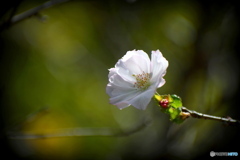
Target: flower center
[142, 80]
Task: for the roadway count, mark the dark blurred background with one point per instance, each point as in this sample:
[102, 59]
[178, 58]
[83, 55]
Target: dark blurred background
[54, 73]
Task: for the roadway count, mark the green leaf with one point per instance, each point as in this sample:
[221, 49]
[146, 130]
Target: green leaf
[176, 101]
[174, 113]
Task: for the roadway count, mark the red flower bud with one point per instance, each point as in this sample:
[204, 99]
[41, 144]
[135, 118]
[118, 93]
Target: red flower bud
[164, 103]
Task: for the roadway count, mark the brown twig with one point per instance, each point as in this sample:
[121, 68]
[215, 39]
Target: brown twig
[195, 114]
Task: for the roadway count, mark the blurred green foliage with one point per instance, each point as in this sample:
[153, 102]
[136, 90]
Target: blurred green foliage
[60, 62]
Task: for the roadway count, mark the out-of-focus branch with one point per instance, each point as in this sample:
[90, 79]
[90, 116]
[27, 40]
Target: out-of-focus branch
[81, 132]
[29, 13]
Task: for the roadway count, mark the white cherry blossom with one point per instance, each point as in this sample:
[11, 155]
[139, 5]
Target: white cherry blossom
[135, 79]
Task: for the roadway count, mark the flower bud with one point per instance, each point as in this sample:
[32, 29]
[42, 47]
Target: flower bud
[164, 103]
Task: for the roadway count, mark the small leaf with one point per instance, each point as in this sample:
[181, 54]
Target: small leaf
[158, 97]
[176, 101]
[174, 113]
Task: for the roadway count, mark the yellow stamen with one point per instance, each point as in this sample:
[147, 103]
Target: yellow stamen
[142, 80]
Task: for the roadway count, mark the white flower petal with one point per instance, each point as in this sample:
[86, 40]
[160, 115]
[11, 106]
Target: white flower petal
[128, 55]
[122, 105]
[114, 90]
[142, 100]
[132, 53]
[161, 83]
[124, 72]
[112, 71]
[124, 97]
[137, 65]
[134, 62]
[158, 66]
[117, 80]
[142, 53]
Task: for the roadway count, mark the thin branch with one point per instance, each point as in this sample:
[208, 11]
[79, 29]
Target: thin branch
[81, 132]
[29, 13]
[14, 10]
[195, 114]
